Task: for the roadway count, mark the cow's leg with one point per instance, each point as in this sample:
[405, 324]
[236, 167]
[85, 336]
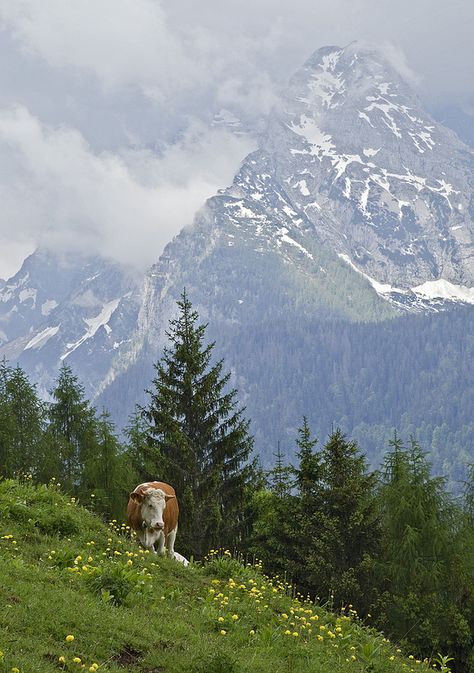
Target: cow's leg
[143, 537]
[160, 541]
[170, 539]
[147, 540]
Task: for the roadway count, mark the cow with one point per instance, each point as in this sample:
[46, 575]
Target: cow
[152, 512]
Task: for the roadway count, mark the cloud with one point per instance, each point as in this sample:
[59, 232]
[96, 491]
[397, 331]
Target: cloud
[60, 193]
[106, 106]
[125, 43]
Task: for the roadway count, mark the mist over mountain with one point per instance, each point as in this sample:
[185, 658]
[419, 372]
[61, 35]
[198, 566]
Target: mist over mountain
[336, 274]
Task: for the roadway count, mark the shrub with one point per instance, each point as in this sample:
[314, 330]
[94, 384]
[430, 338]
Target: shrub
[118, 584]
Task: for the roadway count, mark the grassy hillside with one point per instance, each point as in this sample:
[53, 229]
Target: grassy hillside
[76, 595]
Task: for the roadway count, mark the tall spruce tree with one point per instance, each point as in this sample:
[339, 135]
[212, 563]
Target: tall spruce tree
[311, 526]
[308, 474]
[104, 474]
[199, 436]
[72, 432]
[22, 420]
[6, 421]
[280, 476]
[350, 507]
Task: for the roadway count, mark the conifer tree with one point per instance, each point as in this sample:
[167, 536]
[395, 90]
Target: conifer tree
[427, 570]
[200, 436]
[72, 432]
[273, 526]
[469, 494]
[22, 423]
[308, 474]
[105, 474]
[280, 476]
[311, 526]
[6, 421]
[350, 508]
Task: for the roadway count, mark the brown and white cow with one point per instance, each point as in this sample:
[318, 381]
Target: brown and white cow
[152, 512]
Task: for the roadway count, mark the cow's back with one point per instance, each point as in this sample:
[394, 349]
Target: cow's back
[170, 514]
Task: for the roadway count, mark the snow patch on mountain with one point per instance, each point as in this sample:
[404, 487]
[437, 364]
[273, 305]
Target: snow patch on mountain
[380, 288]
[42, 337]
[443, 289]
[93, 324]
[48, 306]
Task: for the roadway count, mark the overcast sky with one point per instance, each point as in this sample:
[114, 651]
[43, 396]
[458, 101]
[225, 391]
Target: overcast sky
[106, 106]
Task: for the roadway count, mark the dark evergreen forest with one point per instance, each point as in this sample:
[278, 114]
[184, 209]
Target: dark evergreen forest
[412, 373]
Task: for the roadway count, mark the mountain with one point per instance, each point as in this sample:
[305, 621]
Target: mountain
[66, 308]
[336, 274]
[379, 180]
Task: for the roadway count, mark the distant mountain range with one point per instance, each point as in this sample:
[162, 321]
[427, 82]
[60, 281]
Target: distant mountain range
[345, 239]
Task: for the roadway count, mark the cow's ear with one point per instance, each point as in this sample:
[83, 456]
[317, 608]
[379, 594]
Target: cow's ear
[168, 497]
[136, 497]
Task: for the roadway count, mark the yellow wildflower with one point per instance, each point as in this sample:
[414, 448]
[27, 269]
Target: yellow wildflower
[69, 638]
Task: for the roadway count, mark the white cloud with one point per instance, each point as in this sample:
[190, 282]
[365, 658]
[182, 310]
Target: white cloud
[84, 76]
[60, 193]
[125, 43]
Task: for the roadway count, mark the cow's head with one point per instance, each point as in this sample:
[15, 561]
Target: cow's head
[152, 505]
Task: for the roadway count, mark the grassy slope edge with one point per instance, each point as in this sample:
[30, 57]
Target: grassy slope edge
[64, 573]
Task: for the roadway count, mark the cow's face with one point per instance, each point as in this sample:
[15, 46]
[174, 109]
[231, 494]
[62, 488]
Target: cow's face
[152, 505]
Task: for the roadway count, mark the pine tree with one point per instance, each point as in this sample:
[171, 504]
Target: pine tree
[427, 571]
[311, 526]
[199, 435]
[6, 421]
[105, 474]
[350, 508]
[308, 475]
[469, 494]
[72, 432]
[280, 476]
[413, 506]
[22, 423]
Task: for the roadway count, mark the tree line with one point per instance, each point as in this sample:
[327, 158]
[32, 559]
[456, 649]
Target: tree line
[392, 544]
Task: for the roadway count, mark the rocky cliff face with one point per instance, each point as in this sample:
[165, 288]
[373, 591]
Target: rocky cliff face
[379, 180]
[66, 309]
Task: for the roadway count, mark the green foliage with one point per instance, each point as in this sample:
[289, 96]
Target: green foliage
[280, 477]
[119, 584]
[64, 440]
[197, 437]
[395, 545]
[22, 420]
[72, 431]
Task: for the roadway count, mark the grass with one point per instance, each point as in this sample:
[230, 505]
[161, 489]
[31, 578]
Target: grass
[65, 573]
